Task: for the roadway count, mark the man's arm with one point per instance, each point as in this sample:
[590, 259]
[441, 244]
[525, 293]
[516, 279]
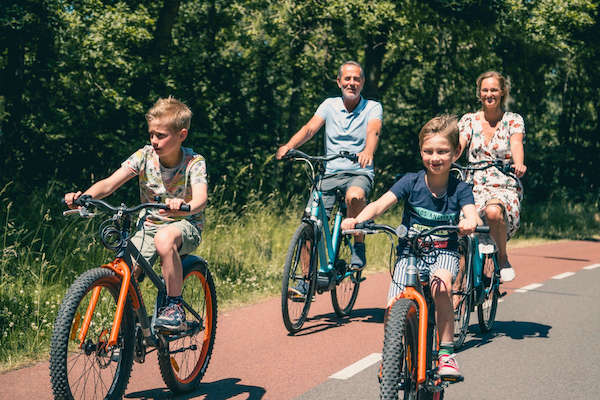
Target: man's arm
[302, 136]
[365, 157]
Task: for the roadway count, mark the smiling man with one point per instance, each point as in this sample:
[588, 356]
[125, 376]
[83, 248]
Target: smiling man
[352, 124]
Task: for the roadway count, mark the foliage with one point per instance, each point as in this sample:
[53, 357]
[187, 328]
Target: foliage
[77, 77]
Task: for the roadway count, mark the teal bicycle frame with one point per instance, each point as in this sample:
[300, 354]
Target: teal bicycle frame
[329, 240]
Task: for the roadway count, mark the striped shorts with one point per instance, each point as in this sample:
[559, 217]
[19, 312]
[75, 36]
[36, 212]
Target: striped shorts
[446, 259]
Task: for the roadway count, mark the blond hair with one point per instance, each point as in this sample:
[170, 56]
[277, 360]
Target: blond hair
[445, 125]
[177, 114]
[504, 86]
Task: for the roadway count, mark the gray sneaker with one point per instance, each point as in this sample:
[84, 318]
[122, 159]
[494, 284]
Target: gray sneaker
[299, 292]
[359, 257]
[171, 318]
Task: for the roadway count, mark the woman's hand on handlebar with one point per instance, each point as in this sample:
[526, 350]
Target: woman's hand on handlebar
[519, 169]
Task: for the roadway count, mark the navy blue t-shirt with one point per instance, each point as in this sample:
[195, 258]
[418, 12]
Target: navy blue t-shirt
[423, 211]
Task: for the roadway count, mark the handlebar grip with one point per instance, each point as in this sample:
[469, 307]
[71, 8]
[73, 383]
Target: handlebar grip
[185, 207]
[482, 229]
[364, 225]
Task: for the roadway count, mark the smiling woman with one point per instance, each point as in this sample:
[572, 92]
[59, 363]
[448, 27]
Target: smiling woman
[493, 134]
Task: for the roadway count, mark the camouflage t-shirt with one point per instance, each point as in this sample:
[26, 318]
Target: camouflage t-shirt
[156, 180]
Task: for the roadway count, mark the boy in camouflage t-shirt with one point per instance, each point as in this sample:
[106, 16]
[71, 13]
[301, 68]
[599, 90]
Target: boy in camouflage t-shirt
[176, 175]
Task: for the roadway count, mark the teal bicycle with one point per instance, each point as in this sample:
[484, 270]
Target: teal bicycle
[318, 258]
[477, 285]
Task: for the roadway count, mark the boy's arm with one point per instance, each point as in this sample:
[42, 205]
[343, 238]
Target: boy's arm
[197, 204]
[103, 187]
[468, 224]
[372, 210]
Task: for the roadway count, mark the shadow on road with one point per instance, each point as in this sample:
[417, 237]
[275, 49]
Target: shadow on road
[322, 322]
[218, 390]
[517, 330]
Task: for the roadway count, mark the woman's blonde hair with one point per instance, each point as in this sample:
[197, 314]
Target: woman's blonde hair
[504, 86]
[178, 115]
[445, 125]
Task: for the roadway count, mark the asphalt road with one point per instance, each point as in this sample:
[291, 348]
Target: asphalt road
[545, 345]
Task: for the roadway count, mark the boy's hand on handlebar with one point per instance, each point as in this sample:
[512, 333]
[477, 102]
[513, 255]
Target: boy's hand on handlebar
[467, 226]
[174, 208]
[349, 223]
[70, 199]
[519, 170]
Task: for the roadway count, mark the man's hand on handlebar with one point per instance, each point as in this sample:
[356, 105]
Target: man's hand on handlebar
[365, 158]
[282, 151]
[349, 223]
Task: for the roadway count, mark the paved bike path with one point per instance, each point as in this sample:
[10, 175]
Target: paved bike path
[544, 345]
[254, 358]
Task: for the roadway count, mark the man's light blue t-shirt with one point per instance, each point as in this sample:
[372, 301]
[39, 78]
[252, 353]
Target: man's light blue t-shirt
[347, 131]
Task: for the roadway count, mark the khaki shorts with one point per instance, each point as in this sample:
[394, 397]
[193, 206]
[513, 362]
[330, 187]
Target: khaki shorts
[143, 239]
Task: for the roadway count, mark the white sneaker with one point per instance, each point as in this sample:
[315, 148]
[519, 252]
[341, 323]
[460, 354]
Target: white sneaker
[507, 273]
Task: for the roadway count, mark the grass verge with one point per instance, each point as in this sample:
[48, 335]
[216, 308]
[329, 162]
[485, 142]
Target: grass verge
[43, 252]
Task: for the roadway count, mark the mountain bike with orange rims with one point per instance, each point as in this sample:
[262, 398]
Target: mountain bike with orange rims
[409, 367]
[102, 325]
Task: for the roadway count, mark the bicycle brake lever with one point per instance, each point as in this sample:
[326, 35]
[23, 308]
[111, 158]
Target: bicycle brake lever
[83, 212]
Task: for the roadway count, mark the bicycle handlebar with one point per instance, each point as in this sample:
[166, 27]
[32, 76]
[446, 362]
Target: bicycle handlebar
[297, 154]
[370, 227]
[86, 200]
[505, 168]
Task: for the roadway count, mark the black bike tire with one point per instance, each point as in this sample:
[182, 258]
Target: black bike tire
[400, 333]
[343, 311]
[463, 312]
[306, 230]
[486, 322]
[170, 375]
[59, 371]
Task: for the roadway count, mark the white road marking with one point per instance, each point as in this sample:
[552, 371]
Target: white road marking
[563, 275]
[592, 266]
[358, 366]
[531, 286]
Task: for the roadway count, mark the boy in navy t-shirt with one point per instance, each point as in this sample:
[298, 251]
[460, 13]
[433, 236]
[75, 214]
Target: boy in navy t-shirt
[432, 198]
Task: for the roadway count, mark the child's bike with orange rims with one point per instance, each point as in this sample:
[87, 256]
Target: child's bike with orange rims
[102, 325]
[409, 367]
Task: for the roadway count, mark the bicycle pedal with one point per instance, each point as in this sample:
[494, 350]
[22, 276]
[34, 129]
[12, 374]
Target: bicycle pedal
[452, 378]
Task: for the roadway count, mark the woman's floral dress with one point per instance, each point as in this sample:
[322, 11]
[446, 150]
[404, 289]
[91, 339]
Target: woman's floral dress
[491, 183]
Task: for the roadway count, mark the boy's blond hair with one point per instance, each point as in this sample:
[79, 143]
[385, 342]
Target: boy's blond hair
[178, 115]
[445, 125]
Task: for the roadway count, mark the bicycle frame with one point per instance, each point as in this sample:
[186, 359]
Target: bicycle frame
[328, 241]
[121, 265]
